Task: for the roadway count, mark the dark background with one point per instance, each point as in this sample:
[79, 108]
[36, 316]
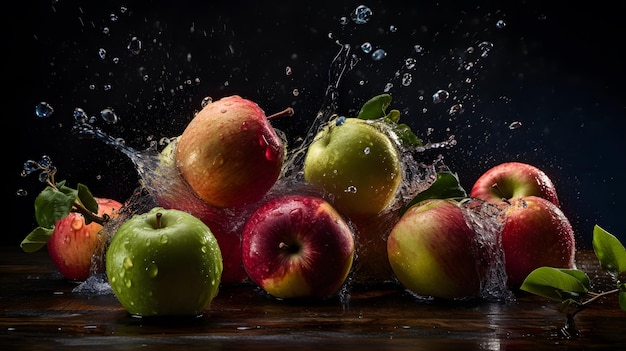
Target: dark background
[555, 67]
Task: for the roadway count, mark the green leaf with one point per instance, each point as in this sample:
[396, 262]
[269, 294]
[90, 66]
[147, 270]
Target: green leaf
[609, 250]
[36, 239]
[393, 116]
[86, 198]
[556, 283]
[52, 205]
[406, 135]
[446, 186]
[375, 107]
[622, 296]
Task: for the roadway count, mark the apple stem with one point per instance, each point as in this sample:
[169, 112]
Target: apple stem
[158, 219]
[90, 216]
[286, 112]
[496, 188]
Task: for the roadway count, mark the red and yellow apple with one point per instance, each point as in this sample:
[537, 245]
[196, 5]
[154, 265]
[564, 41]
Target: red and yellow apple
[297, 246]
[535, 233]
[229, 154]
[514, 179]
[73, 242]
[434, 252]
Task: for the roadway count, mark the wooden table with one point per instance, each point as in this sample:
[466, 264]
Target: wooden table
[39, 311]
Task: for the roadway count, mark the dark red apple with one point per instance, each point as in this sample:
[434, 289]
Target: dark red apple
[297, 246]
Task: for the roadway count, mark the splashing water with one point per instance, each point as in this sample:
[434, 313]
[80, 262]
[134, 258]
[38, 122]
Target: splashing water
[162, 185]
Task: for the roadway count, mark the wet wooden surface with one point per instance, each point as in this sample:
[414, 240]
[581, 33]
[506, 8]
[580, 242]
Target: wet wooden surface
[40, 311]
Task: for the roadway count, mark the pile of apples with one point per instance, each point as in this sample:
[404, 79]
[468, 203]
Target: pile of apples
[342, 217]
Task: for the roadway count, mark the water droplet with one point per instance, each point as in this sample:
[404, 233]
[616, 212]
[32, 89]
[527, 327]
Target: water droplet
[485, 47]
[128, 263]
[134, 46]
[367, 150]
[295, 92]
[500, 24]
[80, 116]
[366, 47]
[43, 110]
[418, 48]
[109, 116]
[455, 109]
[296, 215]
[361, 14]
[340, 120]
[440, 95]
[164, 239]
[351, 189]
[393, 28]
[379, 54]
[288, 70]
[515, 125]
[21, 192]
[410, 62]
[153, 269]
[128, 283]
[102, 53]
[407, 79]
[206, 100]
[343, 20]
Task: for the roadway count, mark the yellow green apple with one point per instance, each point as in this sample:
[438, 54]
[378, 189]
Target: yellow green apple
[356, 162]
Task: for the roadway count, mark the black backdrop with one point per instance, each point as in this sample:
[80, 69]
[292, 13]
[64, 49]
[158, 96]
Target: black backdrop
[554, 67]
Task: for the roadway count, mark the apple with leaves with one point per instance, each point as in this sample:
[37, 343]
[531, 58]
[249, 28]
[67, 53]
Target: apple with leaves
[73, 242]
[69, 221]
[535, 233]
[164, 263]
[298, 246]
[513, 179]
[434, 252]
[229, 153]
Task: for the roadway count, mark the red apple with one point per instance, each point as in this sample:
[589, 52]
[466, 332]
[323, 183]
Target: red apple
[536, 233]
[229, 154]
[434, 252]
[513, 179]
[297, 246]
[73, 242]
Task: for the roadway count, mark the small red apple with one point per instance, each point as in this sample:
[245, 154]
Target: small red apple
[73, 242]
[229, 154]
[513, 179]
[297, 246]
[434, 252]
[536, 233]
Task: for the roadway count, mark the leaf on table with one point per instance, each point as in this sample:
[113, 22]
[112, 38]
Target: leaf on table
[609, 250]
[556, 283]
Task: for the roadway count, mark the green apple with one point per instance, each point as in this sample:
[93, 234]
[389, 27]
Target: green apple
[164, 263]
[357, 163]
